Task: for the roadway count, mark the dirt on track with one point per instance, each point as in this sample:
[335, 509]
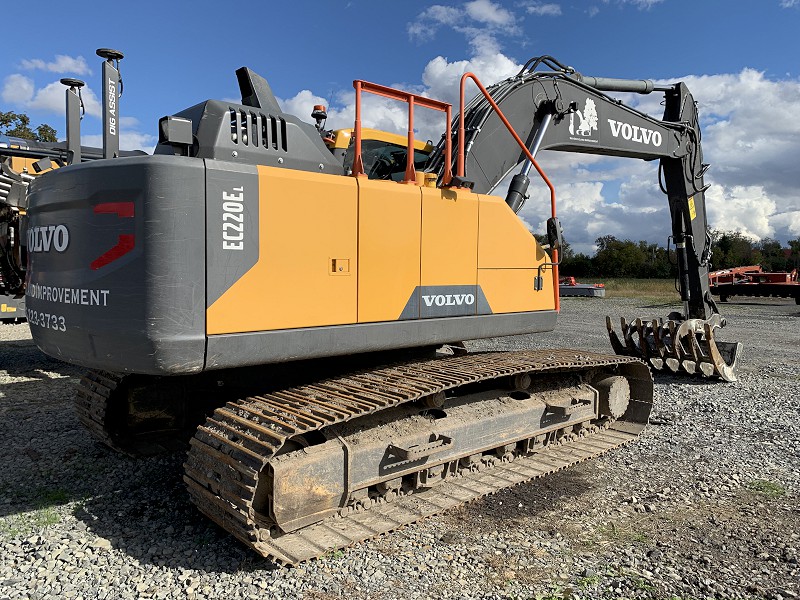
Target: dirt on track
[705, 505]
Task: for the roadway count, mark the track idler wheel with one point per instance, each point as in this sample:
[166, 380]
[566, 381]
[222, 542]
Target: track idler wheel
[680, 346]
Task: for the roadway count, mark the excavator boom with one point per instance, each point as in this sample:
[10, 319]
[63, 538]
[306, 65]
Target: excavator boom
[562, 110]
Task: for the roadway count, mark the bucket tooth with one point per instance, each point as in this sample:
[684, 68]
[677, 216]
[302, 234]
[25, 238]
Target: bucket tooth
[725, 369]
[707, 369]
[627, 335]
[612, 336]
[678, 352]
[640, 329]
[658, 340]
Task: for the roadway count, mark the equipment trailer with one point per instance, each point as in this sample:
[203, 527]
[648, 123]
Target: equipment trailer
[753, 281]
[301, 291]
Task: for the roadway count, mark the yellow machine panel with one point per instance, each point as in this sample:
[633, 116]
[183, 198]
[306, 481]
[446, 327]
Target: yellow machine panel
[306, 274]
[22, 164]
[505, 242]
[507, 255]
[449, 237]
[389, 226]
[512, 290]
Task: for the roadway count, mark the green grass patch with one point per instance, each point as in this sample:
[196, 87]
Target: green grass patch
[44, 514]
[652, 289]
[590, 581]
[615, 533]
[620, 533]
[554, 592]
[768, 488]
[28, 522]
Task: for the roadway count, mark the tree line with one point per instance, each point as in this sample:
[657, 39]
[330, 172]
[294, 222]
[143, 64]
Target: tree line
[19, 125]
[626, 258]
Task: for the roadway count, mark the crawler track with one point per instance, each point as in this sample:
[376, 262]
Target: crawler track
[103, 406]
[233, 449]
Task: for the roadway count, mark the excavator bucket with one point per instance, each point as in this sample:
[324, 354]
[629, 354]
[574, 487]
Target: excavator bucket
[678, 346]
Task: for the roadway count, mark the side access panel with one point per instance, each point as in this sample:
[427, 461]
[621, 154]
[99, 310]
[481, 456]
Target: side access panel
[389, 229]
[306, 271]
[508, 260]
[448, 257]
[116, 274]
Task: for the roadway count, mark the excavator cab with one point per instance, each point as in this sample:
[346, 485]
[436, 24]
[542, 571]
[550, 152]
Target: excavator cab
[384, 154]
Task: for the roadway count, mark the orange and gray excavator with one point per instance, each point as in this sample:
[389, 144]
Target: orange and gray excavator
[296, 303]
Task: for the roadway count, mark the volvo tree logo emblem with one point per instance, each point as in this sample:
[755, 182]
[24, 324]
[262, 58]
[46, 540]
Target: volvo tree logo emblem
[588, 120]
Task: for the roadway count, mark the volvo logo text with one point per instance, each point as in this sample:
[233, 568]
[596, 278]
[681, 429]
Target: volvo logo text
[48, 237]
[635, 133]
[449, 299]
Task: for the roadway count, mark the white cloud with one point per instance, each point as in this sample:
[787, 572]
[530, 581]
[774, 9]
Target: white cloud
[128, 122]
[543, 10]
[642, 4]
[62, 64]
[20, 91]
[424, 27]
[485, 11]
[480, 21]
[788, 221]
[128, 140]
[741, 208]
[789, 3]
[17, 90]
[441, 77]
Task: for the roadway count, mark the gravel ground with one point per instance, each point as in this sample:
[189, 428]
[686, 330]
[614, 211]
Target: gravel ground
[705, 505]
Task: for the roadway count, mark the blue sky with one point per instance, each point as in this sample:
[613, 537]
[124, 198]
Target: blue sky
[740, 58]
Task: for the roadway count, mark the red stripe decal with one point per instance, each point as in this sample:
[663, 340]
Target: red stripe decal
[124, 245]
[121, 209]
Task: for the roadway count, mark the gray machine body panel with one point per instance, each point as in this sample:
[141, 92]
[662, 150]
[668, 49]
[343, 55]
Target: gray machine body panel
[263, 347]
[145, 311]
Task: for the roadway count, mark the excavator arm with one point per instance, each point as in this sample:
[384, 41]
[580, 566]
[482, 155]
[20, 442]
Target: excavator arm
[560, 109]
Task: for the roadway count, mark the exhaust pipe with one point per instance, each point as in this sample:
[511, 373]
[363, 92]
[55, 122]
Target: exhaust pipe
[75, 112]
[112, 90]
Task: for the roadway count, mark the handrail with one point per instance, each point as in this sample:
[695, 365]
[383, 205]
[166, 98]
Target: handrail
[460, 166]
[412, 100]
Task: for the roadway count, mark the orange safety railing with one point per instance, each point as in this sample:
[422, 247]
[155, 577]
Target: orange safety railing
[410, 174]
[412, 100]
[460, 166]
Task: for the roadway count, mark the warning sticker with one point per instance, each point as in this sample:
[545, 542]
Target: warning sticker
[692, 211]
